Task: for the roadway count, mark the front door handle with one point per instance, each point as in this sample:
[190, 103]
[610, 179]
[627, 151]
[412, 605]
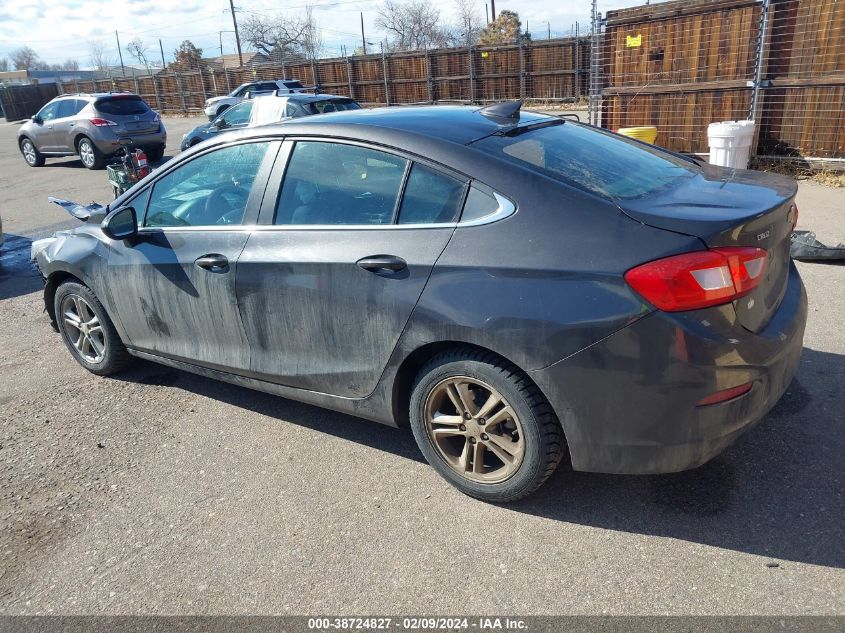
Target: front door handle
[214, 262]
[382, 263]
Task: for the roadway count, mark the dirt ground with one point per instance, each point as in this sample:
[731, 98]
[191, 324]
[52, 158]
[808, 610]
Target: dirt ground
[157, 491]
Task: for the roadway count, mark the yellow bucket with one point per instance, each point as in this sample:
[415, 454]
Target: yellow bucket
[645, 133]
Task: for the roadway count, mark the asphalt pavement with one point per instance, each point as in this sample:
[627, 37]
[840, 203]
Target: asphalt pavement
[157, 491]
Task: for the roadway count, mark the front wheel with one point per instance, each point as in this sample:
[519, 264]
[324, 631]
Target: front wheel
[90, 156]
[87, 330]
[484, 426]
[31, 155]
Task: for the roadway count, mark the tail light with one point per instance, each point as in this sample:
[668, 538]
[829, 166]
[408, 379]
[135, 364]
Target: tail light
[724, 395]
[101, 122]
[701, 279]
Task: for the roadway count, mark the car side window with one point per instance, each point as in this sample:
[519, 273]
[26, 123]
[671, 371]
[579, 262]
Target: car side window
[335, 183]
[430, 197]
[238, 115]
[292, 110]
[67, 107]
[210, 190]
[49, 111]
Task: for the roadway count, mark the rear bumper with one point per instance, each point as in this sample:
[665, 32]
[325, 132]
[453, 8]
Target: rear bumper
[628, 403]
[109, 143]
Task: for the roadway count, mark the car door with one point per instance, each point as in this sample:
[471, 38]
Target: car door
[44, 135]
[174, 288]
[326, 286]
[65, 124]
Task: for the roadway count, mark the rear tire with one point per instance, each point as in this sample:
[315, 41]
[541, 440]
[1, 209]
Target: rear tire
[90, 156]
[87, 330]
[484, 426]
[30, 153]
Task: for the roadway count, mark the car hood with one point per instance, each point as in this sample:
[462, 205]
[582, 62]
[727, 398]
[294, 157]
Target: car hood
[216, 99]
[198, 130]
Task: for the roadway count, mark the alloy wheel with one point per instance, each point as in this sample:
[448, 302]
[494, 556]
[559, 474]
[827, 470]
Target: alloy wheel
[474, 429]
[83, 329]
[86, 153]
[29, 152]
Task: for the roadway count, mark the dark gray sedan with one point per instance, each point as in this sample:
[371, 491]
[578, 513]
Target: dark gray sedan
[516, 288]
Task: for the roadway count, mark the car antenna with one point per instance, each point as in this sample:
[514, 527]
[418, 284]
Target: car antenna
[503, 110]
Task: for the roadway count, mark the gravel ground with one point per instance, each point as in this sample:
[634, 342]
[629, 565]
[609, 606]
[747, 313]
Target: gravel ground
[161, 492]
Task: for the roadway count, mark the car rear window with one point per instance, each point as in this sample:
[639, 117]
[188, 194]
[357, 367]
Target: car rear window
[591, 159]
[330, 105]
[122, 105]
[293, 85]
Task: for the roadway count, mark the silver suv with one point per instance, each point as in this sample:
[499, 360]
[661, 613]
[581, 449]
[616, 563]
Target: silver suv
[215, 106]
[92, 126]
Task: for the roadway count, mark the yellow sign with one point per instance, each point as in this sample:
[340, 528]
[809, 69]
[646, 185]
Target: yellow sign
[485, 54]
[634, 42]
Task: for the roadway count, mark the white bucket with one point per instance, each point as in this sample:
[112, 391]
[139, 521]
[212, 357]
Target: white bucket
[730, 143]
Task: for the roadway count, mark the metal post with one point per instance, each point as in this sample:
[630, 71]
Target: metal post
[181, 93]
[158, 96]
[471, 76]
[314, 76]
[577, 74]
[349, 77]
[758, 62]
[384, 72]
[228, 84]
[521, 69]
[363, 39]
[137, 85]
[161, 48]
[595, 82]
[429, 80]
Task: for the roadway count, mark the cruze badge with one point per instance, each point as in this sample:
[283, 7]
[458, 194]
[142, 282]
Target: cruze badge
[763, 236]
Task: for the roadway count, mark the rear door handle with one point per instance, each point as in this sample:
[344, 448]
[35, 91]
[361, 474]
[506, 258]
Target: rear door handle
[382, 263]
[214, 262]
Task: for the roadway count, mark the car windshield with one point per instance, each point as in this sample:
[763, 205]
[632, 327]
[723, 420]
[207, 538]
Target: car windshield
[591, 159]
[330, 105]
[122, 105]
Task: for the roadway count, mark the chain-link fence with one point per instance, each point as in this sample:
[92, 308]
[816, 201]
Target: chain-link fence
[682, 65]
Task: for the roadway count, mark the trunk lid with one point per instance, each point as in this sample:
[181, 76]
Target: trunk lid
[727, 207]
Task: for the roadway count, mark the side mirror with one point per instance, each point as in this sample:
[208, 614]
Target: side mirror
[36, 119]
[121, 224]
[220, 123]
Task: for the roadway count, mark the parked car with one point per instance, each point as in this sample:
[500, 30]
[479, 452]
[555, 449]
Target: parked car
[215, 106]
[513, 286]
[267, 109]
[92, 126]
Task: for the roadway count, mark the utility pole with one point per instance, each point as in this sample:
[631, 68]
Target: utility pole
[161, 48]
[549, 25]
[487, 13]
[237, 36]
[493, 10]
[120, 52]
[363, 39]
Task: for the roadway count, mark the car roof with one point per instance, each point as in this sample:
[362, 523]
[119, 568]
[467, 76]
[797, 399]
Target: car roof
[395, 125]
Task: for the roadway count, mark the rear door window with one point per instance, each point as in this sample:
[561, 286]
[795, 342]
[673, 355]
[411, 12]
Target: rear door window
[122, 105]
[335, 183]
[69, 107]
[430, 197]
[591, 159]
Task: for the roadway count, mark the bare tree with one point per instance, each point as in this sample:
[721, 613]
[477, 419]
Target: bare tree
[27, 59]
[279, 38]
[4, 65]
[68, 64]
[469, 22]
[100, 58]
[412, 25]
[138, 50]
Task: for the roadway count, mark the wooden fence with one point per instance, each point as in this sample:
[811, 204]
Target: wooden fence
[550, 70]
[21, 102]
[682, 65]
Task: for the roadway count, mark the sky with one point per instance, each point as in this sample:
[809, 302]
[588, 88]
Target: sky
[68, 28]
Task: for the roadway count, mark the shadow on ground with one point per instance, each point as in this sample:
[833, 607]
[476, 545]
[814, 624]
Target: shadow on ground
[17, 274]
[777, 493]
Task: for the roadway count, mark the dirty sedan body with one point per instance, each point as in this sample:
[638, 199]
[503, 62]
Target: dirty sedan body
[512, 286]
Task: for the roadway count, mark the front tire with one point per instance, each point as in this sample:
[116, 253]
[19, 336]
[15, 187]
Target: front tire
[484, 426]
[87, 330]
[90, 156]
[31, 155]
